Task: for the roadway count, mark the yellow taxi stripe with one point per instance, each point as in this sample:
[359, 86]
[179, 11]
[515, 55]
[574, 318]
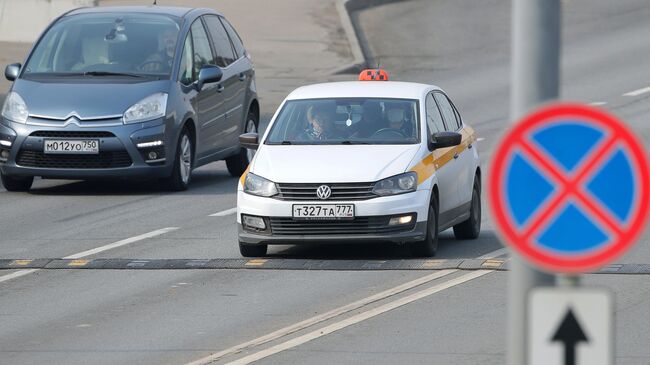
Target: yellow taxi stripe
[243, 176]
[437, 159]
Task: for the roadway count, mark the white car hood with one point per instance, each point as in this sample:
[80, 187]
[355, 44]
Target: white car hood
[332, 163]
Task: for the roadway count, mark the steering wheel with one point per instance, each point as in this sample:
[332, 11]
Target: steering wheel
[388, 133]
[159, 65]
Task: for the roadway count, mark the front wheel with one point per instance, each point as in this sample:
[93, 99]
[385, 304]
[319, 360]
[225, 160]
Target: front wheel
[429, 246]
[182, 169]
[252, 250]
[470, 229]
[15, 183]
[238, 163]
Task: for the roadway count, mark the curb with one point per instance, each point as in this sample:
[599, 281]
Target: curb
[353, 32]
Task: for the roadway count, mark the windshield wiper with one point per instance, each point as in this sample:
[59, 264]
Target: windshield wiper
[278, 143]
[354, 142]
[108, 73]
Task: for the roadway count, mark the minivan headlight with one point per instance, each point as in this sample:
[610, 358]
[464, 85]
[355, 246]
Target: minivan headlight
[15, 108]
[257, 185]
[398, 184]
[151, 107]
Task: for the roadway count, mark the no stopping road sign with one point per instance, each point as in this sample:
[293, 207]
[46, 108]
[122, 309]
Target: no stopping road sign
[570, 188]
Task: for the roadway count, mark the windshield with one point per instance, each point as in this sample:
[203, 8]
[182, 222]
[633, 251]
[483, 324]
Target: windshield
[105, 44]
[347, 121]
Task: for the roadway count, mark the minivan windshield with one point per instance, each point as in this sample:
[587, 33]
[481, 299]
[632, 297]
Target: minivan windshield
[347, 121]
[107, 44]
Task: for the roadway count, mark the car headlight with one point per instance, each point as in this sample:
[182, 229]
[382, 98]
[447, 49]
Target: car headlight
[15, 108]
[257, 185]
[151, 107]
[398, 184]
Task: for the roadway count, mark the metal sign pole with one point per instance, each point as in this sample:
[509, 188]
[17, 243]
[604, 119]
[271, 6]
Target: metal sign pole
[535, 80]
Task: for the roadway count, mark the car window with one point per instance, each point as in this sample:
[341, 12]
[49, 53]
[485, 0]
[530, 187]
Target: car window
[142, 44]
[222, 45]
[234, 37]
[434, 119]
[347, 121]
[202, 51]
[185, 73]
[447, 112]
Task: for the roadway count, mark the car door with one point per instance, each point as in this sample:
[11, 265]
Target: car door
[463, 156]
[225, 58]
[446, 166]
[212, 100]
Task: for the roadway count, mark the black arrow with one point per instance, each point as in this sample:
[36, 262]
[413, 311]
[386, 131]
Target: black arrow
[569, 333]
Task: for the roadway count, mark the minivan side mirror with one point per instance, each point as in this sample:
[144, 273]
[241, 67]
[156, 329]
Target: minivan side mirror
[249, 140]
[445, 139]
[209, 74]
[12, 71]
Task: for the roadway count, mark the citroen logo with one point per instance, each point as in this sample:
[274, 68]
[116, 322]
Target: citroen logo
[323, 192]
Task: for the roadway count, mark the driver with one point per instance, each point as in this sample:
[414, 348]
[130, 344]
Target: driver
[164, 58]
[321, 123]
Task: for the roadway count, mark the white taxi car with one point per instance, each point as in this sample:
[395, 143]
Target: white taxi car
[361, 161]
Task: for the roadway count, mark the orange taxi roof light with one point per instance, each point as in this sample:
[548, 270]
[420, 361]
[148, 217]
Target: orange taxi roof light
[373, 74]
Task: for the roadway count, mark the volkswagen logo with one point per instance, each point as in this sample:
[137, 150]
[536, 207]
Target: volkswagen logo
[323, 192]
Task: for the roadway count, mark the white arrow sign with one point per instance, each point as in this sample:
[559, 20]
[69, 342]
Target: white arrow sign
[570, 326]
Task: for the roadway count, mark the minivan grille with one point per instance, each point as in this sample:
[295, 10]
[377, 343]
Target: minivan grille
[340, 191]
[359, 225]
[102, 160]
[72, 134]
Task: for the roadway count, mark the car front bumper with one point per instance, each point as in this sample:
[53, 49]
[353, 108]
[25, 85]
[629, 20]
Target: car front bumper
[119, 155]
[370, 223]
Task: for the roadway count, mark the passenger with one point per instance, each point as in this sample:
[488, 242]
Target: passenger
[163, 59]
[320, 124]
[371, 120]
[398, 120]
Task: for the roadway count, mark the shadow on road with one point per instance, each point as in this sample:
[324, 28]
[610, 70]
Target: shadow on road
[449, 248]
[210, 180]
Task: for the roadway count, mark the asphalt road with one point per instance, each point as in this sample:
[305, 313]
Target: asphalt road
[383, 317]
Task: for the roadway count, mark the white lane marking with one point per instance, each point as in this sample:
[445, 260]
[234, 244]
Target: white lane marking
[359, 318]
[638, 92]
[79, 255]
[16, 274]
[224, 212]
[121, 243]
[598, 103]
[333, 313]
[480, 139]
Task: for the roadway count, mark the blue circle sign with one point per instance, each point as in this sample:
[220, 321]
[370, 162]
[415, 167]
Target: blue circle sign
[570, 188]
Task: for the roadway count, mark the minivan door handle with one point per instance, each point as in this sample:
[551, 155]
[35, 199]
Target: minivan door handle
[242, 76]
[456, 156]
[219, 88]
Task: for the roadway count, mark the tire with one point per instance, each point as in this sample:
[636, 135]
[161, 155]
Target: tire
[470, 229]
[252, 250]
[429, 246]
[238, 163]
[183, 162]
[14, 183]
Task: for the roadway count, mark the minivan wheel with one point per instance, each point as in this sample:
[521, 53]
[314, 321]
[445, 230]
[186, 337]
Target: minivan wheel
[252, 250]
[470, 229]
[16, 183]
[429, 246]
[182, 169]
[238, 163]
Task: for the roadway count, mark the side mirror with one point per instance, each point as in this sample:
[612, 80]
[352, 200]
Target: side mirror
[12, 71]
[249, 140]
[209, 74]
[445, 139]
